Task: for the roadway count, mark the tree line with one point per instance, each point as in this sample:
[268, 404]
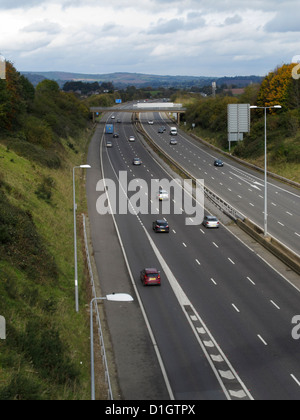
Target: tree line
[34, 120]
[277, 88]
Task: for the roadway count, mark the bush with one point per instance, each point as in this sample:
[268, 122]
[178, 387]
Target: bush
[21, 388]
[21, 244]
[38, 132]
[33, 152]
[44, 191]
[44, 348]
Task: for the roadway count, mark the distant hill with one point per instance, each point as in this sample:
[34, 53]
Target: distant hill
[139, 80]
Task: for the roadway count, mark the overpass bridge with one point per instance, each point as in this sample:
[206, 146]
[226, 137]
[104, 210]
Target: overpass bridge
[141, 108]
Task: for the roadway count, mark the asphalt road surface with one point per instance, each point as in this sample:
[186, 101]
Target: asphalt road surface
[243, 188]
[219, 327]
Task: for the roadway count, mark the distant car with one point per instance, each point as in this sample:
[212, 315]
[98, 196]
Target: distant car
[150, 122]
[150, 277]
[109, 143]
[173, 142]
[161, 130]
[115, 135]
[162, 194]
[137, 161]
[131, 138]
[211, 222]
[160, 226]
[113, 117]
[218, 162]
[119, 121]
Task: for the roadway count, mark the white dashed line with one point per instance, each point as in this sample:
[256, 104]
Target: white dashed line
[273, 303]
[251, 281]
[233, 305]
[295, 379]
[262, 340]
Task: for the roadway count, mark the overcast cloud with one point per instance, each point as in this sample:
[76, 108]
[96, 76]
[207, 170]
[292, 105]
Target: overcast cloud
[167, 37]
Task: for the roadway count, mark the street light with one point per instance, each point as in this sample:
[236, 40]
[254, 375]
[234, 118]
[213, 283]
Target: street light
[115, 297]
[75, 236]
[266, 172]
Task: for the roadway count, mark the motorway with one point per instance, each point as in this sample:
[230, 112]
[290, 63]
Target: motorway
[222, 317]
[242, 188]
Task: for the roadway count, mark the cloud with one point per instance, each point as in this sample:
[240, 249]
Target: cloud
[190, 37]
[19, 4]
[233, 20]
[43, 26]
[286, 21]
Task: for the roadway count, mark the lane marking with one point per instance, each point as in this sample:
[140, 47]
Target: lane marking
[273, 303]
[260, 337]
[190, 312]
[295, 379]
[235, 308]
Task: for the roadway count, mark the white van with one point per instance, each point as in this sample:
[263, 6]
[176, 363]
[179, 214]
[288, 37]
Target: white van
[173, 131]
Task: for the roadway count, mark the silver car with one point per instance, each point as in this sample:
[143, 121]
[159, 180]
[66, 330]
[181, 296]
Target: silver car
[211, 222]
[137, 161]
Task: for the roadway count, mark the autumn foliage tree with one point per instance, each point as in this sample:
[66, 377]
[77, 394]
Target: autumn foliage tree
[280, 88]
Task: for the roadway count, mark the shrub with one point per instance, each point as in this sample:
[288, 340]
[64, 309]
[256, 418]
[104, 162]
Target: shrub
[21, 388]
[21, 244]
[44, 191]
[38, 132]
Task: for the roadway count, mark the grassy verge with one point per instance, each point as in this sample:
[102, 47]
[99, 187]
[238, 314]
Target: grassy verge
[46, 352]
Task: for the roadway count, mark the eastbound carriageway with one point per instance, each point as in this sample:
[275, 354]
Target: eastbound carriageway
[174, 109]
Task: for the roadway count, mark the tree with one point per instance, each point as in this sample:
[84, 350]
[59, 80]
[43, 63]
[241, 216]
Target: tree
[13, 104]
[279, 88]
[49, 86]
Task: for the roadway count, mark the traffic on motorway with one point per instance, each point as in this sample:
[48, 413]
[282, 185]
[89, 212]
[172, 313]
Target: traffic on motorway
[242, 187]
[222, 316]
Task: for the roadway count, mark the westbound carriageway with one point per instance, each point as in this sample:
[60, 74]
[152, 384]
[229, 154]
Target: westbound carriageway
[138, 108]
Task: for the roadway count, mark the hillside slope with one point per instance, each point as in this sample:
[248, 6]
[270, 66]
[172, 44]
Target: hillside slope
[43, 135]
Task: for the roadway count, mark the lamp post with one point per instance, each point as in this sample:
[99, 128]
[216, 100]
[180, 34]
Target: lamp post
[266, 171]
[75, 235]
[115, 297]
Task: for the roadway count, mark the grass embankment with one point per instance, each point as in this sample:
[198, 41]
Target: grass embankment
[46, 352]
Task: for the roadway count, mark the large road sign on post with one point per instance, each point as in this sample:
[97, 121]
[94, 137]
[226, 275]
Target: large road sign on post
[2, 67]
[2, 328]
[238, 121]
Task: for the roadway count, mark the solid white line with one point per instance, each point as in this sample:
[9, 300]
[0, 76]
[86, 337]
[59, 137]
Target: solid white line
[231, 261]
[184, 301]
[152, 337]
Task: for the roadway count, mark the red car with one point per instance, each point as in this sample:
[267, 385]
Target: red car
[150, 277]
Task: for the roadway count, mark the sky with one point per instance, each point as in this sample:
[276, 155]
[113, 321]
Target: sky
[164, 37]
